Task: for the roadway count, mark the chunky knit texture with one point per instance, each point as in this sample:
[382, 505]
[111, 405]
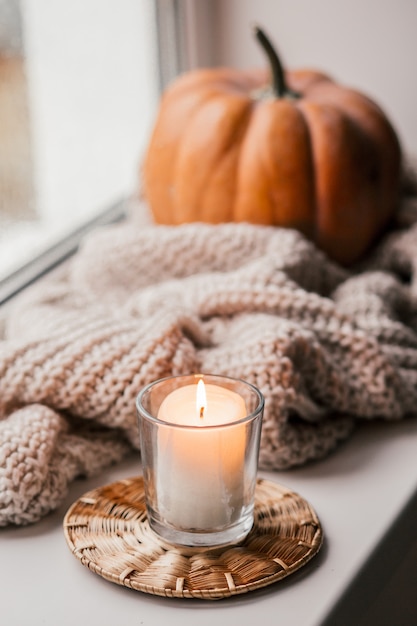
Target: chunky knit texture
[326, 346]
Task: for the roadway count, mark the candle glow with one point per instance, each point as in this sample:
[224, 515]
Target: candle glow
[200, 439]
[200, 468]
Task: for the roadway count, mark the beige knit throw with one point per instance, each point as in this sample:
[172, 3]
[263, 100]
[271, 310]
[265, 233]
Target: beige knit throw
[326, 346]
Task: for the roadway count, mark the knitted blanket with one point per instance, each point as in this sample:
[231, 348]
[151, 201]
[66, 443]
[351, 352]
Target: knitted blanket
[326, 346]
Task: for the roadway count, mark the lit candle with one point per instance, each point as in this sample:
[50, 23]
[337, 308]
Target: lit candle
[200, 439]
[200, 462]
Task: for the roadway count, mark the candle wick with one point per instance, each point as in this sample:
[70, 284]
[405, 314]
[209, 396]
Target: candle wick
[201, 412]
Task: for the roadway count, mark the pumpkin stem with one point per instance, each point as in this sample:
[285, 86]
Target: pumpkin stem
[279, 84]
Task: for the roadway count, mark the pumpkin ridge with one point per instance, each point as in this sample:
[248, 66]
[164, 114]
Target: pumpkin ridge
[346, 195]
[313, 226]
[186, 204]
[170, 211]
[314, 114]
[272, 186]
[381, 134]
[233, 144]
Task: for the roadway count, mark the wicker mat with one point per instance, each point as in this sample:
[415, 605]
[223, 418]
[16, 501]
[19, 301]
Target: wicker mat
[108, 531]
[327, 346]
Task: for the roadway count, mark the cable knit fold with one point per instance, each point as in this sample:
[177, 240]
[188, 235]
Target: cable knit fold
[327, 346]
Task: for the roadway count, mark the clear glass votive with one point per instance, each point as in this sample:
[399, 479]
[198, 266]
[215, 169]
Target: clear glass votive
[199, 449]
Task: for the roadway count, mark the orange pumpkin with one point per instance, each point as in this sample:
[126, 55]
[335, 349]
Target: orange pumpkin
[304, 153]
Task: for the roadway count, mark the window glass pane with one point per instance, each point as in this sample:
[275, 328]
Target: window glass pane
[78, 91]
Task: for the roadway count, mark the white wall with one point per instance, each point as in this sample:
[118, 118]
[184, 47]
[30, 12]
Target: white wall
[367, 44]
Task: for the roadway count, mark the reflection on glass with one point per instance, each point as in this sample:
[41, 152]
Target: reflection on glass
[78, 92]
[16, 172]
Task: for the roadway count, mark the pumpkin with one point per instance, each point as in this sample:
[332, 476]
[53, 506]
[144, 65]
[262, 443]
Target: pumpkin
[293, 149]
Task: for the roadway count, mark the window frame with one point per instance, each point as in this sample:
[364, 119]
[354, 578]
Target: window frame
[177, 51]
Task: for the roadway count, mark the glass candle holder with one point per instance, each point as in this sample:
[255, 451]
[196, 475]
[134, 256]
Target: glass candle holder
[200, 439]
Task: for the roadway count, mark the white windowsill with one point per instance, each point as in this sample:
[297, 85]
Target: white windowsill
[360, 494]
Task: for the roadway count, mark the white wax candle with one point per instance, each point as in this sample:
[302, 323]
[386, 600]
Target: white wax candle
[199, 469]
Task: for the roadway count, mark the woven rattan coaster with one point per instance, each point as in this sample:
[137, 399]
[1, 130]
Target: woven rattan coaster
[108, 531]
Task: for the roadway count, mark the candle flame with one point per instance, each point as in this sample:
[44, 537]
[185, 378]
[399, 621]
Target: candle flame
[201, 400]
